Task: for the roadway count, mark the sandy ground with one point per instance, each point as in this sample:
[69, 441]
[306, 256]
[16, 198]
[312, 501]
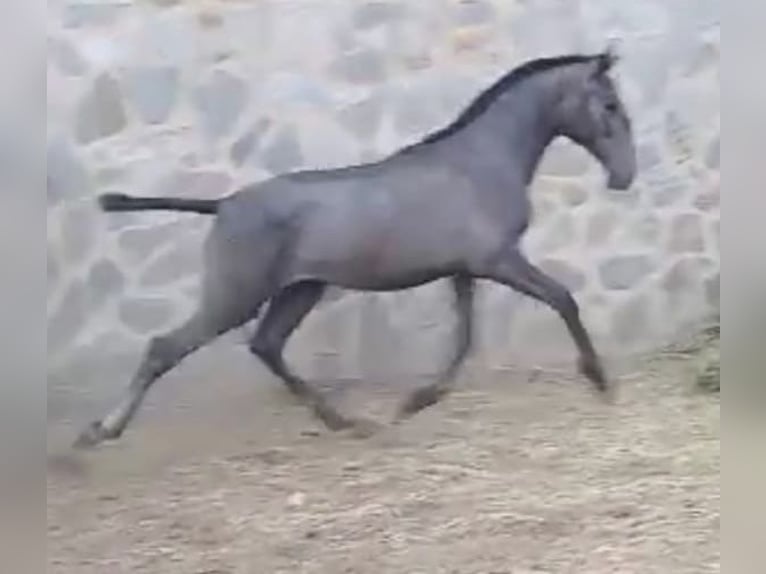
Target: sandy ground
[508, 475]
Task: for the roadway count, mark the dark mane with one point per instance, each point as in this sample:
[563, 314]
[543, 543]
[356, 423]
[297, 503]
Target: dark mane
[482, 102]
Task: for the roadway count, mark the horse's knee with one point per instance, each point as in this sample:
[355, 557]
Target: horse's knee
[162, 353]
[164, 348]
[564, 302]
[263, 348]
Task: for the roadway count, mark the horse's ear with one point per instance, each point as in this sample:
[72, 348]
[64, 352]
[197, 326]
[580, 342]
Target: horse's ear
[606, 59]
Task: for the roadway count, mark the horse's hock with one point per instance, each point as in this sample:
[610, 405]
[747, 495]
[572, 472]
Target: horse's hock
[192, 99]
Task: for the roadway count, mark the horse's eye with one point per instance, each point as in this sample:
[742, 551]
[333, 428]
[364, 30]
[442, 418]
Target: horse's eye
[611, 107]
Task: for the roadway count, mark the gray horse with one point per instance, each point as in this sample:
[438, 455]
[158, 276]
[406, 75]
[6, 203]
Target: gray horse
[454, 205]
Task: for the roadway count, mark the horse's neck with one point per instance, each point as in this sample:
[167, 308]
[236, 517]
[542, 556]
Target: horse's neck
[518, 127]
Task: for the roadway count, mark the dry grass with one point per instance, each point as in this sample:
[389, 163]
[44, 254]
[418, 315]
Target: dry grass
[510, 476]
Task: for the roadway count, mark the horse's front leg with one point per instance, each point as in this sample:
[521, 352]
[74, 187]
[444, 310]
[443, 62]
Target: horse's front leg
[463, 286]
[513, 270]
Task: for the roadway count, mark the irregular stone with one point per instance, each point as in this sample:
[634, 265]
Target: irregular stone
[538, 334]
[210, 19]
[66, 175]
[362, 66]
[171, 39]
[153, 91]
[370, 155]
[66, 57]
[124, 221]
[686, 235]
[325, 144]
[543, 208]
[498, 307]
[146, 315]
[646, 230]
[596, 300]
[697, 104]
[69, 318]
[372, 14]
[453, 93]
[624, 271]
[630, 321]
[682, 277]
[248, 142]
[78, 233]
[710, 199]
[412, 42]
[470, 38]
[243, 147]
[473, 12]
[650, 61]
[379, 339]
[647, 157]
[566, 273]
[363, 118]
[286, 88]
[630, 198]
[81, 13]
[678, 134]
[546, 28]
[713, 155]
[110, 175]
[415, 114]
[101, 112]
[600, 226]
[192, 291]
[574, 194]
[668, 190]
[283, 153]
[705, 57]
[344, 39]
[333, 334]
[105, 281]
[560, 233]
[181, 261]
[713, 291]
[139, 243]
[196, 183]
[93, 370]
[564, 159]
[220, 102]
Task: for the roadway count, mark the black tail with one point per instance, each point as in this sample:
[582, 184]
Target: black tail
[122, 202]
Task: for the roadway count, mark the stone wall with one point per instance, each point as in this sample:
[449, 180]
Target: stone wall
[193, 98]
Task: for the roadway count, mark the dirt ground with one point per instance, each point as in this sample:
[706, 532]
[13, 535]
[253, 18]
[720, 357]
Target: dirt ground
[508, 475]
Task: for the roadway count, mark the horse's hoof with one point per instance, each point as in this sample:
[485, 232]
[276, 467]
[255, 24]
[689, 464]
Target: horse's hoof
[594, 372]
[605, 388]
[331, 418]
[609, 393]
[365, 428]
[417, 401]
[92, 436]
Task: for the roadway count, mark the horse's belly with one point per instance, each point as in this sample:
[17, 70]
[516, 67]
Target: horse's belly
[379, 249]
[378, 266]
[389, 281]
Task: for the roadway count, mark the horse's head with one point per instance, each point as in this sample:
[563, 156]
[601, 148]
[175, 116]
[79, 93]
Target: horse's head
[592, 114]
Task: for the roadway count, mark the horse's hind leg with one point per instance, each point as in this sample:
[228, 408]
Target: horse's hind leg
[219, 312]
[428, 395]
[286, 311]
